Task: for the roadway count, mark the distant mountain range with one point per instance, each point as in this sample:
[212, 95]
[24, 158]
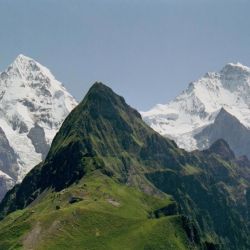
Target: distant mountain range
[109, 181]
[33, 105]
[216, 106]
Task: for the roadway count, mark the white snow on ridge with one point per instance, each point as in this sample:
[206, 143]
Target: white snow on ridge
[31, 96]
[199, 104]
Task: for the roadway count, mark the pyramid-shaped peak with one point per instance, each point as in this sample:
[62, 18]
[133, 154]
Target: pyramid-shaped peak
[222, 148]
[23, 58]
[223, 111]
[105, 101]
[225, 116]
[98, 89]
[100, 86]
[27, 68]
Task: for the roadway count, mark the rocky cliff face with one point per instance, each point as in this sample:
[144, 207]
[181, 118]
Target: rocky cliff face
[226, 127]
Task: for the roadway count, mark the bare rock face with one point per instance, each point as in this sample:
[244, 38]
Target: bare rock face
[6, 183]
[37, 136]
[8, 157]
[228, 128]
[8, 165]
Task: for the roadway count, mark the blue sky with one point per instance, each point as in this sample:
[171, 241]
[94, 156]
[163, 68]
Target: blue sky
[146, 50]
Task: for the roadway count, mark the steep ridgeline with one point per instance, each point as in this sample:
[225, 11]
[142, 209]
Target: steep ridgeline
[197, 117]
[33, 105]
[107, 183]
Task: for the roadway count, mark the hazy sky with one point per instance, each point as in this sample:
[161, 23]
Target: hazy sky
[147, 51]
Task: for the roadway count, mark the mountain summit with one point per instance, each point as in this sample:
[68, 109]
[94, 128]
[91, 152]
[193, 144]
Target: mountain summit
[33, 105]
[199, 105]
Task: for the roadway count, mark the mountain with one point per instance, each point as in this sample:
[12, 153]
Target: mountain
[33, 105]
[221, 148]
[197, 117]
[227, 127]
[109, 181]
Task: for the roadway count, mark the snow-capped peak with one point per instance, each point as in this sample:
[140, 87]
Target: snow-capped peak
[23, 59]
[28, 69]
[33, 105]
[199, 104]
[235, 68]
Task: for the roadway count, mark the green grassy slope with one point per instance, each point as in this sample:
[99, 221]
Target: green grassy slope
[108, 216]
